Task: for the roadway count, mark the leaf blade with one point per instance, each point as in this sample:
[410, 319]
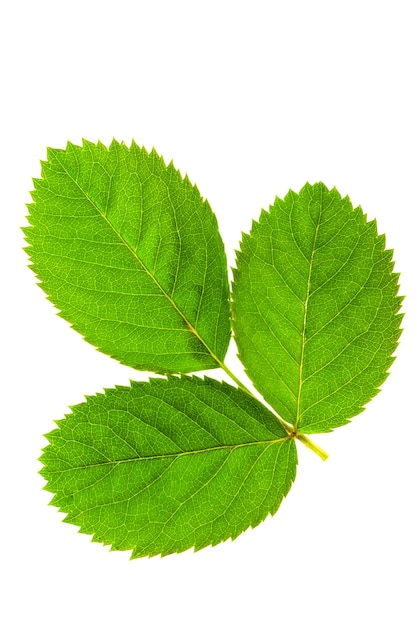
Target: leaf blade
[131, 255]
[316, 282]
[202, 462]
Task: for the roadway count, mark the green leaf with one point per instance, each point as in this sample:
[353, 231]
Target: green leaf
[315, 308]
[131, 255]
[162, 466]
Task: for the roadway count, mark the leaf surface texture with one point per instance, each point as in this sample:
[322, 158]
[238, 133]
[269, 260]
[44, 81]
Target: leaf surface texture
[315, 308]
[165, 465]
[131, 255]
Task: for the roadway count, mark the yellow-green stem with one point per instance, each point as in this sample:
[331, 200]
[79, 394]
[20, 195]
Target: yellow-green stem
[312, 446]
[288, 428]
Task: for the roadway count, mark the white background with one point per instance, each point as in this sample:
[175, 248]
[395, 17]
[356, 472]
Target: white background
[251, 99]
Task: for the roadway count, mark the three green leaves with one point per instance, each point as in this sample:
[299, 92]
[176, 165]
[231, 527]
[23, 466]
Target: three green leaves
[131, 255]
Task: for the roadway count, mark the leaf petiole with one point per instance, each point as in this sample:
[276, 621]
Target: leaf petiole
[312, 446]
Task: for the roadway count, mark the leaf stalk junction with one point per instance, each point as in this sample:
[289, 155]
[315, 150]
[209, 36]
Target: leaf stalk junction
[289, 428]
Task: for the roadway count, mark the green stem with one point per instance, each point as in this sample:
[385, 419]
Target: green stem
[312, 446]
[288, 428]
[236, 380]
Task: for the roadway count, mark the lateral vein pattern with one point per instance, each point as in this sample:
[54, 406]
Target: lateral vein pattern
[148, 468]
[131, 255]
[315, 308]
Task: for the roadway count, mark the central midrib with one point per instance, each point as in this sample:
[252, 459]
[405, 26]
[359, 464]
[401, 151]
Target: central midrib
[303, 340]
[189, 325]
[174, 455]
